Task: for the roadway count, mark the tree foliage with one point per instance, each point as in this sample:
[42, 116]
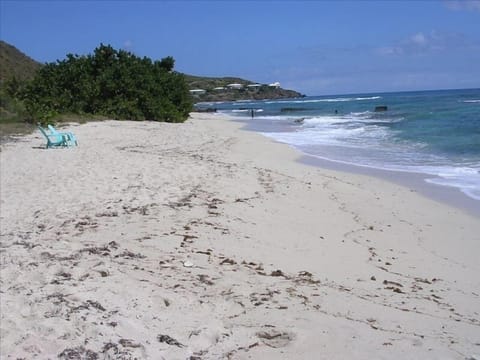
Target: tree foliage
[112, 83]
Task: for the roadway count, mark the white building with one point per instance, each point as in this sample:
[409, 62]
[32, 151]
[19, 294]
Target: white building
[275, 85]
[197, 91]
[235, 86]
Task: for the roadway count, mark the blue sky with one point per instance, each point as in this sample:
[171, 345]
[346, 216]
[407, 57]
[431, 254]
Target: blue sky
[315, 47]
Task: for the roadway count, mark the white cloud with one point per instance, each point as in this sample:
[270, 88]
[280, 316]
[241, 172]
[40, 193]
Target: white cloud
[457, 5]
[419, 39]
[425, 43]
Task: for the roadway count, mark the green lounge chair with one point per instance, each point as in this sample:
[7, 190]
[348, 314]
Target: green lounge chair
[53, 140]
[71, 139]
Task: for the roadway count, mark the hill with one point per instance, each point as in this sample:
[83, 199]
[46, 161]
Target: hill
[14, 63]
[217, 89]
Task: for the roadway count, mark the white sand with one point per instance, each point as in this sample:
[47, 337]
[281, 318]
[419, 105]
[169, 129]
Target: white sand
[155, 240]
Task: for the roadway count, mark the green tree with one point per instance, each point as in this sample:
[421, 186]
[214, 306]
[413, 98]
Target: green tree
[112, 83]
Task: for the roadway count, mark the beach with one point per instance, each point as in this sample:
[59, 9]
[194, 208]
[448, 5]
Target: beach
[204, 241]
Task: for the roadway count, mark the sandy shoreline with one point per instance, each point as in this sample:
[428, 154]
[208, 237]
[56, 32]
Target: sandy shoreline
[448, 195]
[451, 196]
[202, 241]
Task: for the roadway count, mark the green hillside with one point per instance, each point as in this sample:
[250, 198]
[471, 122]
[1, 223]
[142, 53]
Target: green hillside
[14, 63]
[209, 84]
[199, 82]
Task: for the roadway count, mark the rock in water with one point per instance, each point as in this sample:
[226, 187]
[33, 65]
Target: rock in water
[381, 108]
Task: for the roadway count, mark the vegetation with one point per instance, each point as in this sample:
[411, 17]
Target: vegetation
[16, 68]
[15, 64]
[203, 82]
[108, 83]
[111, 83]
[246, 93]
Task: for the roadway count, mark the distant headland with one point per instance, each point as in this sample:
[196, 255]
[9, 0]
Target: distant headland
[232, 88]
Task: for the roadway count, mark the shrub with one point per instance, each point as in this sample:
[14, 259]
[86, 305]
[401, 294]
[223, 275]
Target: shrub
[109, 82]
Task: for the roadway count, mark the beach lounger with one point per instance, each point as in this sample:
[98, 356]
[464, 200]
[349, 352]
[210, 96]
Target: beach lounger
[53, 140]
[70, 138]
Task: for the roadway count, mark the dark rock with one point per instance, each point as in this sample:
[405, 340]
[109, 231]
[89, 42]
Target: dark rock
[290, 109]
[207, 110]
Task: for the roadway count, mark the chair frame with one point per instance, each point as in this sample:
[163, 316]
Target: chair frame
[68, 136]
[53, 140]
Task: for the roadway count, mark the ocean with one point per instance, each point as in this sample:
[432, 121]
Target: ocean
[434, 133]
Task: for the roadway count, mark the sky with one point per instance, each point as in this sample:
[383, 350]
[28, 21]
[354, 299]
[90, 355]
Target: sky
[314, 47]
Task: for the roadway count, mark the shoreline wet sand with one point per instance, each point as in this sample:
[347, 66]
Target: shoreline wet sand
[416, 181]
[448, 195]
[203, 241]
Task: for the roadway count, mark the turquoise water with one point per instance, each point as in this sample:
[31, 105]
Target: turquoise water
[436, 133]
